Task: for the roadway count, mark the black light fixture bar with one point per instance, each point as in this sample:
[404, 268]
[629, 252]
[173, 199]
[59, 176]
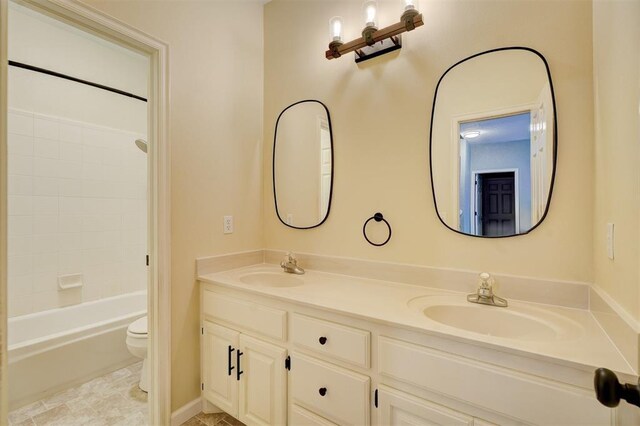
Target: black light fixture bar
[75, 79]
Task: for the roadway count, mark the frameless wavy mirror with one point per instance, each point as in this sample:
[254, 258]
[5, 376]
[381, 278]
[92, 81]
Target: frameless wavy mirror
[303, 164]
[493, 143]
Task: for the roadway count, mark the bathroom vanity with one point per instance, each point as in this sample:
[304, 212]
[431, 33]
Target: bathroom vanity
[324, 349]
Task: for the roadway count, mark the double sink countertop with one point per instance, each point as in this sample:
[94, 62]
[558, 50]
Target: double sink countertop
[566, 336]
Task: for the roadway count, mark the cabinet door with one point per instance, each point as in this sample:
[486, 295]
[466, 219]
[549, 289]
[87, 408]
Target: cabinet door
[219, 346]
[401, 409]
[263, 383]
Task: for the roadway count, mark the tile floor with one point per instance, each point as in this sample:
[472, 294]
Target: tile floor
[219, 419]
[112, 399]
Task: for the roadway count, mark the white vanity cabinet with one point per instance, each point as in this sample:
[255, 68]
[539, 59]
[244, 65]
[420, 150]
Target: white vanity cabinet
[347, 370]
[244, 376]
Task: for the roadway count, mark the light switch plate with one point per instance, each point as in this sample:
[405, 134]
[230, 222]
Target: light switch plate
[610, 240]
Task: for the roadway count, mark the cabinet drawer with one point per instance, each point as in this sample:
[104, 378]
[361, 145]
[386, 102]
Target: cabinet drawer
[302, 417]
[247, 315]
[334, 340]
[522, 396]
[333, 392]
[399, 408]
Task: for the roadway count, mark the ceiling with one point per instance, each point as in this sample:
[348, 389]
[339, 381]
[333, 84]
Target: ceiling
[502, 129]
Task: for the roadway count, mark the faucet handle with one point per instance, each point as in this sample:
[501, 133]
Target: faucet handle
[290, 258]
[486, 280]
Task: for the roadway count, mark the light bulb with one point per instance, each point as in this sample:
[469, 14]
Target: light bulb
[370, 11]
[335, 28]
[409, 4]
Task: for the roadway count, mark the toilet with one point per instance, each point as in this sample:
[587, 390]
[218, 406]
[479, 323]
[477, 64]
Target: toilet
[137, 342]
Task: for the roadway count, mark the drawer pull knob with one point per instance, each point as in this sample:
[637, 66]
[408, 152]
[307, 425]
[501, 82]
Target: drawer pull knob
[322, 340]
[322, 391]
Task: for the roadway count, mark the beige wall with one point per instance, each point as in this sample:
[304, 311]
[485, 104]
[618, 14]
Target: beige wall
[44, 41]
[380, 114]
[215, 53]
[616, 62]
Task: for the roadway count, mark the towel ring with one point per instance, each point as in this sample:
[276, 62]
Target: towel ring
[378, 217]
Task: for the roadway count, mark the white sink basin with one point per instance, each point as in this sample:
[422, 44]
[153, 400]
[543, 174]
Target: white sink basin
[271, 279]
[519, 321]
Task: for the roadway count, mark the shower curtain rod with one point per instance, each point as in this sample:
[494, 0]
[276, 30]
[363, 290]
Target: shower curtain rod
[77, 80]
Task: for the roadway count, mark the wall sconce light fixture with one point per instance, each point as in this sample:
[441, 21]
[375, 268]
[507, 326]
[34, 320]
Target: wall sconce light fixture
[374, 42]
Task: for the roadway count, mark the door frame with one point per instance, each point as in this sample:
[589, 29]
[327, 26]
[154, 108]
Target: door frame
[323, 125]
[474, 195]
[159, 161]
[456, 121]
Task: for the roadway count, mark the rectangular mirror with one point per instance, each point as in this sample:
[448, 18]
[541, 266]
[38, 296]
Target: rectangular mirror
[493, 143]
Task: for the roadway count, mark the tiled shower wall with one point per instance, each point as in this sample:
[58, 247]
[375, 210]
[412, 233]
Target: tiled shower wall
[77, 204]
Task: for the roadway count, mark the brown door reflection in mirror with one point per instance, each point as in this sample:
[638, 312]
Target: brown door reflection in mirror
[303, 164]
[493, 143]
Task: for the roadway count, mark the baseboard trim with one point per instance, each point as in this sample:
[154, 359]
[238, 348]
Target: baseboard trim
[185, 412]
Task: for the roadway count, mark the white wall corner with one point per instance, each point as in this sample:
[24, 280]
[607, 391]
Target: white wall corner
[186, 412]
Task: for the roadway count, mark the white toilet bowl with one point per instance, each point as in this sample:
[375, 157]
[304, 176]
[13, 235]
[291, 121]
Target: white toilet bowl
[137, 343]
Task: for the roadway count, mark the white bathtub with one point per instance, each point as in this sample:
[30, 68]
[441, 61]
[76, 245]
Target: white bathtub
[52, 350]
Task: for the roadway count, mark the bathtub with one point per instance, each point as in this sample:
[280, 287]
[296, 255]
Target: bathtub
[56, 349]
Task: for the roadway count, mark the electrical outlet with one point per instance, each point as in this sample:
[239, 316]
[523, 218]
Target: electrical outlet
[227, 227]
[610, 240]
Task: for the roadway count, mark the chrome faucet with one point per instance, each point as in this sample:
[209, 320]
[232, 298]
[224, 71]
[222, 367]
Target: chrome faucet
[485, 295]
[290, 265]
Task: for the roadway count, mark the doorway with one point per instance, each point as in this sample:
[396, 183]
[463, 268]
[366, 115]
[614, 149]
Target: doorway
[495, 202]
[85, 19]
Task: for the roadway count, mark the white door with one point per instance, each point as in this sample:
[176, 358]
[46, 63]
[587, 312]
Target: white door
[263, 383]
[400, 409]
[220, 384]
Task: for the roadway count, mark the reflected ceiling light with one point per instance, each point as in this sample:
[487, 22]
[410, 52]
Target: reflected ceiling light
[471, 134]
[374, 42]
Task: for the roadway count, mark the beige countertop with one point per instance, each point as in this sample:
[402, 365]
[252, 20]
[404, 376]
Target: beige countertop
[586, 346]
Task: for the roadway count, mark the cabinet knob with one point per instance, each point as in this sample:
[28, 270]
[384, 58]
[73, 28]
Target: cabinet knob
[322, 340]
[322, 391]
